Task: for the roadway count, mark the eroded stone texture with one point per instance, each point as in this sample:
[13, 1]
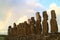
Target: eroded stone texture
[29, 27]
[38, 23]
[25, 27]
[45, 23]
[32, 30]
[9, 31]
[14, 29]
[32, 25]
[53, 22]
[19, 32]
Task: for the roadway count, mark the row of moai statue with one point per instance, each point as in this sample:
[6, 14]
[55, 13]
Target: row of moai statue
[33, 27]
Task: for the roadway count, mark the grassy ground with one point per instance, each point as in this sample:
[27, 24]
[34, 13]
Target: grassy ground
[2, 38]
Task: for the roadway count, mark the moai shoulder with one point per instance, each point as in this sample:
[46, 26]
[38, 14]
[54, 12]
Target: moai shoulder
[14, 25]
[53, 22]
[29, 21]
[45, 22]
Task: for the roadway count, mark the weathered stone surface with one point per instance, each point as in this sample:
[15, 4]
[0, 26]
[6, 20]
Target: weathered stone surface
[9, 30]
[53, 22]
[34, 30]
[32, 25]
[45, 23]
[38, 17]
[38, 24]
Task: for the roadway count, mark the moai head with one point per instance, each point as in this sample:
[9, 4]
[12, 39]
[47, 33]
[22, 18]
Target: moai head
[45, 16]
[9, 30]
[25, 22]
[14, 25]
[22, 25]
[38, 17]
[19, 24]
[53, 15]
[33, 20]
[9, 27]
[29, 21]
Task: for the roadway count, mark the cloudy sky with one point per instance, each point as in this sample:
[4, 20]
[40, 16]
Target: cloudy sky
[20, 10]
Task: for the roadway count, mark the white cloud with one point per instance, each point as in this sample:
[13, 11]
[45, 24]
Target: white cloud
[28, 8]
[54, 6]
[22, 10]
[3, 24]
[22, 19]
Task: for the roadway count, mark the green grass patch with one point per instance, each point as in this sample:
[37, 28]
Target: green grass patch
[1, 38]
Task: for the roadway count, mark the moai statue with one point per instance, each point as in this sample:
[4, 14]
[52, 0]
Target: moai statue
[25, 27]
[45, 23]
[15, 29]
[14, 25]
[10, 33]
[29, 21]
[19, 29]
[53, 22]
[38, 23]
[9, 30]
[33, 20]
[33, 25]
[29, 27]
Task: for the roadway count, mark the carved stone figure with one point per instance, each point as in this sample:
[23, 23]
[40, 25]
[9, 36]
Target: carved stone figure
[9, 31]
[32, 25]
[45, 22]
[29, 27]
[53, 22]
[38, 23]
[14, 29]
[33, 29]
[25, 27]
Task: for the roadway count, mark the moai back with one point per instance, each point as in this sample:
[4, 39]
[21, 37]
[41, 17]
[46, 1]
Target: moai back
[45, 22]
[53, 22]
